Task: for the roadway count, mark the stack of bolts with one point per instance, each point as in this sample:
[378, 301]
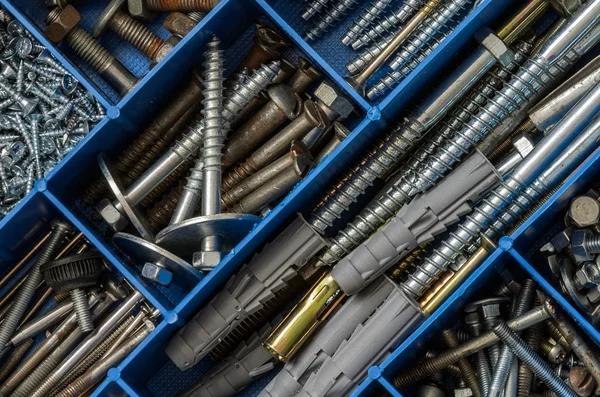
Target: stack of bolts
[45, 113]
[556, 353]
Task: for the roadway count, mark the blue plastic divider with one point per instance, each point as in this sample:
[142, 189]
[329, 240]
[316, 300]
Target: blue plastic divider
[147, 371]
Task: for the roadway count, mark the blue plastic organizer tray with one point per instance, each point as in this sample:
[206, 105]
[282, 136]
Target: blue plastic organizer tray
[147, 371]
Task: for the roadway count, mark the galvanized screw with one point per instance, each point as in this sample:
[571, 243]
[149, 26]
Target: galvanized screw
[366, 19]
[330, 18]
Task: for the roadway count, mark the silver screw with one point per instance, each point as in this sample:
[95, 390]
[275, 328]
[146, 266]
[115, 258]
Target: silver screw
[315, 7]
[330, 18]
[365, 20]
[532, 360]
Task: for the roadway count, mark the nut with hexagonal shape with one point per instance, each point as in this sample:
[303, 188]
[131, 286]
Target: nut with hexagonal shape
[584, 211]
[588, 276]
[580, 245]
[111, 215]
[206, 259]
[139, 9]
[157, 273]
[593, 294]
[179, 24]
[61, 23]
[337, 106]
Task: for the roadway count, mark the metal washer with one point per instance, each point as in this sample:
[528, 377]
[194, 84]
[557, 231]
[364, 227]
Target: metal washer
[184, 238]
[142, 251]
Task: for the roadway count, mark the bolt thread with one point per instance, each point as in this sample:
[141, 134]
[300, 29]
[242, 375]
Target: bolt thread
[34, 278]
[545, 348]
[532, 360]
[15, 357]
[136, 33]
[96, 353]
[330, 17]
[592, 244]
[462, 335]
[80, 304]
[389, 24]
[196, 16]
[408, 263]
[314, 7]
[533, 338]
[160, 213]
[466, 370]
[428, 34]
[484, 372]
[365, 57]
[77, 388]
[501, 371]
[88, 49]
[424, 168]
[527, 82]
[182, 5]
[366, 19]
[501, 150]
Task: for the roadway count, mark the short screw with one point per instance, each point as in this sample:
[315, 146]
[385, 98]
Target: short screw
[365, 20]
[532, 360]
[314, 7]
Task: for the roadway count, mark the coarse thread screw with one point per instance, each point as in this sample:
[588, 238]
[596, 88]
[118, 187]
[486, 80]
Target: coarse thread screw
[389, 24]
[484, 374]
[182, 5]
[171, 180]
[533, 338]
[466, 370]
[331, 17]
[366, 55]
[34, 278]
[365, 19]
[425, 167]
[196, 16]
[532, 360]
[15, 358]
[136, 33]
[80, 305]
[93, 53]
[314, 7]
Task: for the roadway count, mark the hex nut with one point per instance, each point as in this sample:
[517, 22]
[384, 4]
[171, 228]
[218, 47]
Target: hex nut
[111, 215]
[523, 144]
[496, 47]
[63, 24]
[179, 24]
[206, 259]
[139, 9]
[584, 211]
[472, 318]
[336, 102]
[578, 247]
[562, 240]
[157, 273]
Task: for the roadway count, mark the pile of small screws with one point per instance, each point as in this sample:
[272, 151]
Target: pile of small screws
[382, 35]
[548, 357]
[44, 112]
[95, 321]
[572, 254]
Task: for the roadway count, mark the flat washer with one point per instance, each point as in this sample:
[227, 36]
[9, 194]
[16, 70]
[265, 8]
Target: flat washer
[184, 238]
[142, 251]
[136, 218]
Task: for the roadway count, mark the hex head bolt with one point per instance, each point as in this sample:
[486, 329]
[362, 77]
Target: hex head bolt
[149, 144]
[72, 274]
[359, 80]
[429, 366]
[62, 25]
[112, 212]
[329, 18]
[532, 360]
[131, 30]
[25, 293]
[93, 339]
[311, 117]
[370, 14]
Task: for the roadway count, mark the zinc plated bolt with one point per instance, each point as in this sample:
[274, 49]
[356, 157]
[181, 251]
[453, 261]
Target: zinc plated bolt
[15, 358]
[423, 165]
[330, 17]
[532, 360]
[90, 50]
[467, 372]
[314, 7]
[365, 20]
[129, 29]
[181, 151]
[389, 24]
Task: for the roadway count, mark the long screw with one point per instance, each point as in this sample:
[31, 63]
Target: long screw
[532, 360]
[466, 370]
[23, 297]
[365, 20]
[389, 24]
[423, 170]
[533, 338]
[14, 359]
[330, 17]
[95, 55]
[182, 5]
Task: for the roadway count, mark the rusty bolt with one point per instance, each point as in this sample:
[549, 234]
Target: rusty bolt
[581, 381]
[179, 24]
[58, 29]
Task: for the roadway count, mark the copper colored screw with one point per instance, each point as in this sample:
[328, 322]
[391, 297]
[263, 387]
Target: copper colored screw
[182, 5]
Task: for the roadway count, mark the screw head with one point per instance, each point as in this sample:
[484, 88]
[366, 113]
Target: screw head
[206, 259]
[111, 215]
[584, 211]
[157, 273]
